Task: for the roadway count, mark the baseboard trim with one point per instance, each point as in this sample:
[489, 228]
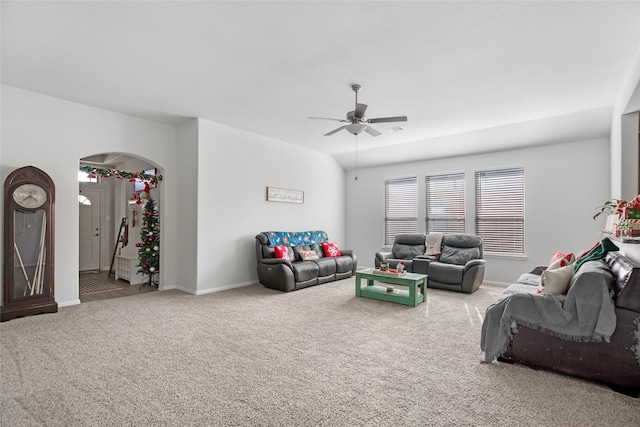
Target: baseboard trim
[491, 282]
[177, 288]
[226, 288]
[68, 303]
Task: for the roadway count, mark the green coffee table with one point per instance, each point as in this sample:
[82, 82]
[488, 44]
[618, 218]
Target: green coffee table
[417, 284]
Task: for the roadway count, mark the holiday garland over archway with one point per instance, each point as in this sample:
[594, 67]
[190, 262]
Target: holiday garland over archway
[149, 245]
[131, 176]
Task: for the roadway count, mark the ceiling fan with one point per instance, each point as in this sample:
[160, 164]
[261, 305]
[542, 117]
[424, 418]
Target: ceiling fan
[357, 121]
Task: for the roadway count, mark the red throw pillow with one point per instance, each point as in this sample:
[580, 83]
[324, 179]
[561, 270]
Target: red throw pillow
[281, 251]
[561, 260]
[331, 250]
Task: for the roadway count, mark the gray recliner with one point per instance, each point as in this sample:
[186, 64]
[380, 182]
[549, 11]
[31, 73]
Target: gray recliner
[405, 248]
[460, 266]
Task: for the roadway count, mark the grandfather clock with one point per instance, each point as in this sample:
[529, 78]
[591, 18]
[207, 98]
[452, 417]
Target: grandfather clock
[29, 197]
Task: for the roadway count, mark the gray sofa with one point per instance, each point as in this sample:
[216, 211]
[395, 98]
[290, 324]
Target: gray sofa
[611, 358]
[283, 275]
[460, 266]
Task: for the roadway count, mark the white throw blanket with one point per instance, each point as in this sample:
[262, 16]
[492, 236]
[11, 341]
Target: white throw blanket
[434, 243]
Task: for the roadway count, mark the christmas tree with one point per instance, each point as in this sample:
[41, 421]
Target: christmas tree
[149, 245]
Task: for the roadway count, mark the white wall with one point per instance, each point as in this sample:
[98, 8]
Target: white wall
[53, 134]
[234, 169]
[624, 136]
[212, 199]
[564, 184]
[187, 238]
[630, 159]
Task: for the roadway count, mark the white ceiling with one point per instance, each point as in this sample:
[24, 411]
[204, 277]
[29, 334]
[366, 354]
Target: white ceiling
[522, 72]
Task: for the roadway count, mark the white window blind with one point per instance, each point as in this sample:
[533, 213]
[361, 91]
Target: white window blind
[400, 207]
[500, 210]
[445, 203]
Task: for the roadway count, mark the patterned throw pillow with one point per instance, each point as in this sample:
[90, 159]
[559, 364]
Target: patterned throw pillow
[308, 255]
[561, 260]
[282, 252]
[331, 250]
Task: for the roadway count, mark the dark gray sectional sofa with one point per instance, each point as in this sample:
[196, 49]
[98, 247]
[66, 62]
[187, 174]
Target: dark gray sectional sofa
[459, 266]
[283, 275]
[613, 360]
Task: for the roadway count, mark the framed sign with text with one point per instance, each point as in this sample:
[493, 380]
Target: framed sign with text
[285, 195]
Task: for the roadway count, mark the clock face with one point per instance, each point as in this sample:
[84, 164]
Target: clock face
[30, 196]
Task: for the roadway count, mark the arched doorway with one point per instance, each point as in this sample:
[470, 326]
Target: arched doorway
[104, 204]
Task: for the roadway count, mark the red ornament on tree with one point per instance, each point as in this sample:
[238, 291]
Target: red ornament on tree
[150, 239]
[138, 245]
[145, 265]
[149, 213]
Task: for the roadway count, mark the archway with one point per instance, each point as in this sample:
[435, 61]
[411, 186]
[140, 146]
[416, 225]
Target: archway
[118, 192]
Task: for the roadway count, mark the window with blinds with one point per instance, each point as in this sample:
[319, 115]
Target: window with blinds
[445, 203]
[400, 207]
[500, 210]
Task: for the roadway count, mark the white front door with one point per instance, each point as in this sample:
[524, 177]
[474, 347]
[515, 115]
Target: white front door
[89, 202]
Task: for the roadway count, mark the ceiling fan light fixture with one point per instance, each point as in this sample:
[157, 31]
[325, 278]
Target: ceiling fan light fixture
[357, 122]
[355, 128]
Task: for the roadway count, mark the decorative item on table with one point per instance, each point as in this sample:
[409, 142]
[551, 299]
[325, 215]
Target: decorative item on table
[391, 272]
[630, 222]
[611, 207]
[632, 210]
[624, 228]
[384, 266]
[400, 267]
[623, 218]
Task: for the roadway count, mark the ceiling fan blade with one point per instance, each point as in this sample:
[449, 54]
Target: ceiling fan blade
[371, 131]
[334, 131]
[359, 111]
[388, 119]
[326, 118]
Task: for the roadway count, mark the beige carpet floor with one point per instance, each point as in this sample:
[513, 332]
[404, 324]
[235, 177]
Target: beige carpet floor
[258, 357]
